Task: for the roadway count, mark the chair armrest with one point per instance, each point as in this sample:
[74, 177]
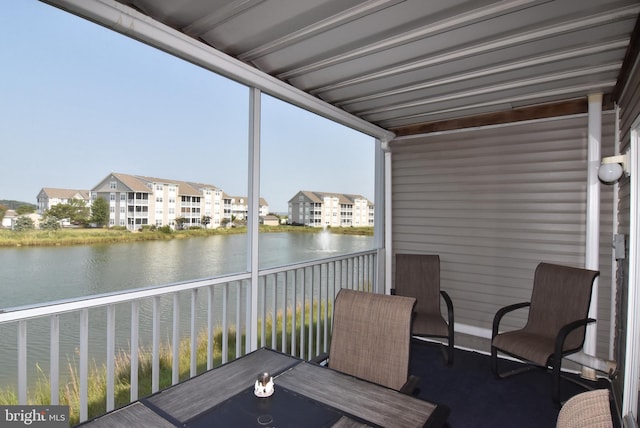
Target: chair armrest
[411, 385]
[564, 332]
[502, 312]
[449, 304]
[320, 359]
[392, 291]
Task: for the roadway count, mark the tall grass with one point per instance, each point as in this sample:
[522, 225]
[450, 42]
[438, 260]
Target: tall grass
[62, 237]
[97, 381]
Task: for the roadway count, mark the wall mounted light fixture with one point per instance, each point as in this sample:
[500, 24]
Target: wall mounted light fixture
[612, 168]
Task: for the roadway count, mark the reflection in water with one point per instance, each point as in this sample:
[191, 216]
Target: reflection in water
[39, 275]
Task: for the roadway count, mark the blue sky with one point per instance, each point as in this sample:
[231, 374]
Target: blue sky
[78, 101]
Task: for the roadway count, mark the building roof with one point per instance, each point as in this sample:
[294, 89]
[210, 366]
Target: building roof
[134, 183]
[52, 192]
[262, 201]
[140, 183]
[318, 197]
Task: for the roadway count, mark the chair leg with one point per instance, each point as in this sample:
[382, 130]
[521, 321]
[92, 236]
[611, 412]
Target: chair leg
[555, 381]
[447, 352]
[494, 366]
[555, 391]
[450, 350]
[494, 360]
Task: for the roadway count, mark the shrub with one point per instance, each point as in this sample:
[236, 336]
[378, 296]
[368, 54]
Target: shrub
[165, 229]
[23, 223]
[50, 223]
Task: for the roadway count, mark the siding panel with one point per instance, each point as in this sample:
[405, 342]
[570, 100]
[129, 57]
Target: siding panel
[493, 202]
[629, 112]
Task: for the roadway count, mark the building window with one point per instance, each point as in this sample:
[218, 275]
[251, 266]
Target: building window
[113, 185]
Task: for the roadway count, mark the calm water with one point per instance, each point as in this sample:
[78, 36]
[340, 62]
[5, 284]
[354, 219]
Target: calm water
[38, 275]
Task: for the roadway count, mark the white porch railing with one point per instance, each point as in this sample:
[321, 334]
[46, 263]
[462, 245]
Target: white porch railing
[302, 292]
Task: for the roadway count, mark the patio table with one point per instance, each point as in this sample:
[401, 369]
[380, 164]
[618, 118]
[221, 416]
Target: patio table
[305, 394]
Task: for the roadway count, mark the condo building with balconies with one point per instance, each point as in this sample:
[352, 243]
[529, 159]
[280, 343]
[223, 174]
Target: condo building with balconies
[137, 201]
[321, 209]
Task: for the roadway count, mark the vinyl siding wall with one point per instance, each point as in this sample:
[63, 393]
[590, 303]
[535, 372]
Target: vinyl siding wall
[629, 104]
[493, 202]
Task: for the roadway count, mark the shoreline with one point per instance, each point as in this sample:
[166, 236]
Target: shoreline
[67, 237]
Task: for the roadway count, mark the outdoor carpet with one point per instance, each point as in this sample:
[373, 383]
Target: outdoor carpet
[477, 399]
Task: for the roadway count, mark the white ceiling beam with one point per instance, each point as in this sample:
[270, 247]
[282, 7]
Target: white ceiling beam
[448, 24]
[509, 40]
[516, 84]
[228, 11]
[523, 99]
[319, 27]
[483, 72]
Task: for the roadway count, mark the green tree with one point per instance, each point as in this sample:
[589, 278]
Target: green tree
[180, 221]
[25, 209]
[75, 210]
[59, 211]
[50, 223]
[79, 211]
[23, 223]
[100, 212]
[3, 210]
[206, 219]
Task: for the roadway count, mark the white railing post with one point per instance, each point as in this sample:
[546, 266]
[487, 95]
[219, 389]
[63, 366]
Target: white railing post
[194, 335]
[84, 364]
[225, 323]
[239, 317]
[155, 347]
[285, 300]
[133, 381]
[210, 328]
[302, 312]
[175, 360]
[294, 313]
[54, 359]
[22, 362]
[274, 312]
[111, 351]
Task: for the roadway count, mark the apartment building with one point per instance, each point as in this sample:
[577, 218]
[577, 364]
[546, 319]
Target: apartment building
[320, 209]
[136, 201]
[50, 196]
[237, 208]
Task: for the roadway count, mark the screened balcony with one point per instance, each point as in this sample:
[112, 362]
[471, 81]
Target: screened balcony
[490, 120]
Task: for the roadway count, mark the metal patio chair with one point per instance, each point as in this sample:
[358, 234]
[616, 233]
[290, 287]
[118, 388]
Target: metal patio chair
[556, 324]
[418, 275]
[371, 336]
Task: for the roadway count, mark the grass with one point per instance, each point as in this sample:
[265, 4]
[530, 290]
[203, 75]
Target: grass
[97, 382]
[63, 237]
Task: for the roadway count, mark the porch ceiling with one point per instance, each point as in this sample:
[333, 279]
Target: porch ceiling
[403, 63]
